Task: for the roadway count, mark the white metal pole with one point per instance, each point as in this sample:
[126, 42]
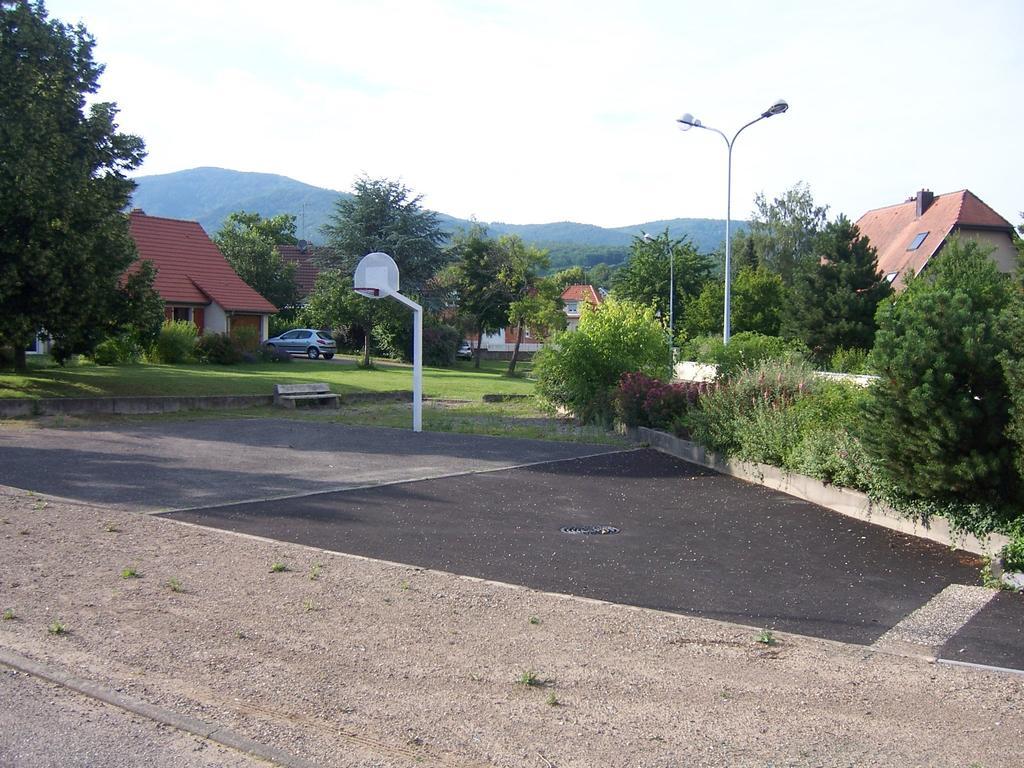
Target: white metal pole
[671, 305]
[417, 370]
[728, 248]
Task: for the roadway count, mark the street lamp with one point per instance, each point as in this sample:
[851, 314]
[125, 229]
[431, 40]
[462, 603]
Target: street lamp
[671, 294]
[688, 121]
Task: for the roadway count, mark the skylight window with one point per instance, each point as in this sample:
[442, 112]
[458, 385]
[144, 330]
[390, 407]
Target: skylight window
[917, 241]
[891, 276]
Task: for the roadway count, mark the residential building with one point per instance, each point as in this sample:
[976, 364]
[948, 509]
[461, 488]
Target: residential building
[503, 342]
[908, 235]
[194, 279]
[305, 257]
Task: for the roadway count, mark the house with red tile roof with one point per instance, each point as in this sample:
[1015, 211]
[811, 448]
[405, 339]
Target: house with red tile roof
[501, 343]
[908, 235]
[305, 258]
[194, 279]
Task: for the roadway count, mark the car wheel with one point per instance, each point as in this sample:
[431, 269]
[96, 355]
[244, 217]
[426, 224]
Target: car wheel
[328, 355]
[312, 353]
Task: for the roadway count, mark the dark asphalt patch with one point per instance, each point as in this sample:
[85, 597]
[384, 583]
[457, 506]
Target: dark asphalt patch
[691, 541]
[994, 636]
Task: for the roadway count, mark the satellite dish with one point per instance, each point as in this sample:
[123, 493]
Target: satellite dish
[376, 276]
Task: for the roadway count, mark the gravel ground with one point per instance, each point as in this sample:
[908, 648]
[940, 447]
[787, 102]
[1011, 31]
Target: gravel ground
[353, 662]
[47, 725]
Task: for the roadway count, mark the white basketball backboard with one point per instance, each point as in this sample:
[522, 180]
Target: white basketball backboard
[376, 272]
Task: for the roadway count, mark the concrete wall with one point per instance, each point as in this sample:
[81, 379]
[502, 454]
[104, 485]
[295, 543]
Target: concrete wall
[1003, 252]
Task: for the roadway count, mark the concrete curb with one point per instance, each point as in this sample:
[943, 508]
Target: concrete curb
[201, 728]
[53, 406]
[842, 500]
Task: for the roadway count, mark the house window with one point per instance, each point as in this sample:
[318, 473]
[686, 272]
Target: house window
[183, 313]
[572, 307]
[891, 276]
[917, 241]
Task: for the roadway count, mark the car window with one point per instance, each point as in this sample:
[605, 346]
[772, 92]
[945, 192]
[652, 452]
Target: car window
[289, 335]
[303, 334]
[323, 335]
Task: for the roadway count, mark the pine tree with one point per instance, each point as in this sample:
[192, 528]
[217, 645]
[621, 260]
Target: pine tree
[834, 300]
[935, 424]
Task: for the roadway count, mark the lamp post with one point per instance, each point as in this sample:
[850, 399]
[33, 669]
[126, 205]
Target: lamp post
[671, 294]
[688, 121]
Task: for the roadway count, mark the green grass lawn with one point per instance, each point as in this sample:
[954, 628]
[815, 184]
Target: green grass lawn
[88, 380]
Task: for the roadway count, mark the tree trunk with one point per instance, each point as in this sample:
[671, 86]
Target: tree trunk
[479, 344]
[20, 358]
[366, 348]
[515, 349]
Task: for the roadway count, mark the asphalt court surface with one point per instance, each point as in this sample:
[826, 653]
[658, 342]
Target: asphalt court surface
[691, 541]
[162, 465]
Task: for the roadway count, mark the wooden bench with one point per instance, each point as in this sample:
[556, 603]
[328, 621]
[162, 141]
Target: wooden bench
[293, 395]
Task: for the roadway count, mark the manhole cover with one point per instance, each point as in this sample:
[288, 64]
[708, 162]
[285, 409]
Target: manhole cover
[590, 530]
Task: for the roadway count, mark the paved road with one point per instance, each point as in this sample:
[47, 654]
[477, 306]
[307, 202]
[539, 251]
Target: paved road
[177, 464]
[691, 541]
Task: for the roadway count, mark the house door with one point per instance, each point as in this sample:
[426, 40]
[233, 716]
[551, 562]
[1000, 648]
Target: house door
[246, 328]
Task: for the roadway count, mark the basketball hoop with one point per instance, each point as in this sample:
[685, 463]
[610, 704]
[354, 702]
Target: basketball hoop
[370, 293]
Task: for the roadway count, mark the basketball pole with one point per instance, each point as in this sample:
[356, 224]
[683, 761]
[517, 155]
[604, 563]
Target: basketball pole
[417, 360]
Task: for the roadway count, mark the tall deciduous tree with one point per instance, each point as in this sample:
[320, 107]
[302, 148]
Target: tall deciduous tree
[480, 270]
[533, 302]
[784, 231]
[644, 279]
[758, 299]
[936, 420]
[834, 299]
[249, 243]
[384, 215]
[64, 242]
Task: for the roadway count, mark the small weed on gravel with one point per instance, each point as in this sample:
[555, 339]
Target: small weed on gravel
[314, 572]
[534, 620]
[405, 586]
[766, 637]
[552, 700]
[57, 627]
[175, 585]
[8, 614]
[529, 678]
[131, 572]
[309, 605]
[278, 567]
[111, 528]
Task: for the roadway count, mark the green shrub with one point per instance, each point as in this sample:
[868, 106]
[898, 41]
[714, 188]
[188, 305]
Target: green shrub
[1012, 555]
[849, 360]
[117, 350]
[643, 401]
[581, 368]
[217, 348]
[744, 350]
[175, 343]
[440, 343]
[936, 421]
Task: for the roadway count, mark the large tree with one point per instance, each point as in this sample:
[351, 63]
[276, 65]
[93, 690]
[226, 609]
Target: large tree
[644, 278]
[783, 232]
[534, 303]
[64, 241]
[835, 297]
[385, 216]
[249, 242]
[936, 421]
[479, 275]
[758, 299]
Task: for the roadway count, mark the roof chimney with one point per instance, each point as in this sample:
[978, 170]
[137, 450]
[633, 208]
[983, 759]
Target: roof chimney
[924, 200]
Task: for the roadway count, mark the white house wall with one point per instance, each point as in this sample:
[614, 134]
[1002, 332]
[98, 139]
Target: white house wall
[215, 320]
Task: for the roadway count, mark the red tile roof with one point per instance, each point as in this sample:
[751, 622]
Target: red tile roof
[190, 268]
[582, 293]
[306, 269]
[892, 230]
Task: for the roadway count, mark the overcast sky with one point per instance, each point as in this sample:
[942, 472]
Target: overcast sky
[530, 112]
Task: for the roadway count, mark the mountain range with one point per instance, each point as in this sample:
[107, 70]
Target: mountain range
[209, 195]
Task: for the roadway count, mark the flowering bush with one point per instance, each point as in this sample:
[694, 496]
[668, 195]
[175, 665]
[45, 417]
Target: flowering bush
[644, 401]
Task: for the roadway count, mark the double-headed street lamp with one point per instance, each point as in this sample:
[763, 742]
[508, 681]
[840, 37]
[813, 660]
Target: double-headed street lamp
[688, 121]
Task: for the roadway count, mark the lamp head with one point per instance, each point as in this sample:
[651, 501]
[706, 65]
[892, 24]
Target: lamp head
[646, 237]
[777, 108]
[688, 121]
